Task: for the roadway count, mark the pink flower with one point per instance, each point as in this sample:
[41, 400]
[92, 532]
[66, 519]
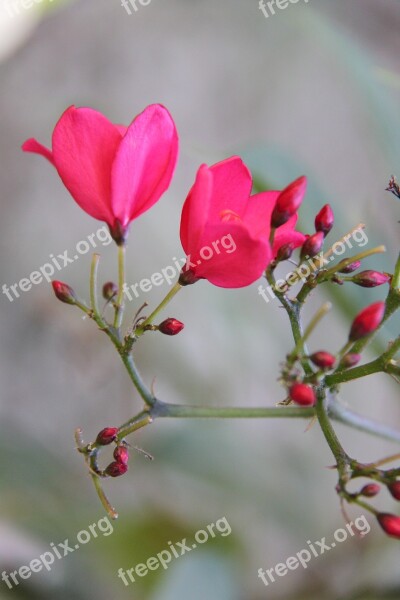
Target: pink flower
[225, 232]
[114, 173]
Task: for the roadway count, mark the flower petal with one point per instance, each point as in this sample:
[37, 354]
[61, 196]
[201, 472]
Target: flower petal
[144, 163]
[84, 147]
[195, 210]
[232, 185]
[286, 234]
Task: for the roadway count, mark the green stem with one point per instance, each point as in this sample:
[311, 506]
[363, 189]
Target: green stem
[136, 378]
[93, 285]
[119, 303]
[230, 412]
[103, 498]
[342, 459]
[173, 291]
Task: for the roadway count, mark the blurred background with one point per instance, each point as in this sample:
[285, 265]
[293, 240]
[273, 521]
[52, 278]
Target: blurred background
[314, 89]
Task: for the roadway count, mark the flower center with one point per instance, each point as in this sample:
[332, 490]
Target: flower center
[229, 215]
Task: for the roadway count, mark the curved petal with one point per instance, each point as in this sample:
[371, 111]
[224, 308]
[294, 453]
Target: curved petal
[144, 163]
[35, 147]
[232, 185]
[229, 256]
[258, 212]
[195, 210]
[286, 234]
[84, 147]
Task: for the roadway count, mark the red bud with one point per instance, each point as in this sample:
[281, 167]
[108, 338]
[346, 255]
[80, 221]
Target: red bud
[367, 321]
[324, 360]
[370, 490]
[350, 360]
[389, 523]
[394, 489]
[288, 202]
[302, 394]
[64, 292]
[109, 290]
[121, 454]
[106, 436]
[115, 469]
[351, 267]
[324, 220]
[370, 279]
[170, 326]
[312, 245]
[284, 252]
[187, 277]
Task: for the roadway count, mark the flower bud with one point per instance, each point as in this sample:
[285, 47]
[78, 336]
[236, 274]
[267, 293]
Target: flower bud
[312, 245]
[187, 277]
[302, 394]
[394, 489]
[350, 360]
[64, 292]
[170, 326]
[389, 523]
[115, 469]
[106, 436]
[324, 220]
[121, 454]
[349, 268]
[284, 252]
[369, 279]
[110, 290]
[322, 359]
[288, 202]
[370, 490]
[367, 321]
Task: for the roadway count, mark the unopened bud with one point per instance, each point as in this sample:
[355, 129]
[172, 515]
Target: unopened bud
[324, 220]
[288, 202]
[115, 469]
[110, 290]
[170, 326]
[64, 292]
[369, 279]
[187, 277]
[284, 252]
[370, 490]
[302, 394]
[349, 268]
[394, 489]
[350, 360]
[322, 359]
[106, 436]
[389, 523]
[312, 245]
[367, 321]
[121, 454]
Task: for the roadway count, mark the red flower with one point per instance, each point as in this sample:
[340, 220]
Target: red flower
[367, 321]
[225, 231]
[114, 173]
[324, 220]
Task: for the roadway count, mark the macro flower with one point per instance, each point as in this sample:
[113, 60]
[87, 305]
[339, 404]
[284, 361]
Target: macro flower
[225, 231]
[114, 173]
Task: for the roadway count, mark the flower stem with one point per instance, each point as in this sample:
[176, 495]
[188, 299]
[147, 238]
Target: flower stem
[173, 291]
[93, 285]
[119, 305]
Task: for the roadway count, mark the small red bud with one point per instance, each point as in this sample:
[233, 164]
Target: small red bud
[324, 220]
[187, 277]
[302, 394]
[394, 489]
[389, 523]
[369, 279]
[115, 469]
[350, 360]
[370, 490]
[170, 326]
[121, 454]
[324, 360]
[106, 436]
[312, 245]
[109, 290]
[367, 321]
[288, 202]
[64, 292]
[351, 267]
[284, 252]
